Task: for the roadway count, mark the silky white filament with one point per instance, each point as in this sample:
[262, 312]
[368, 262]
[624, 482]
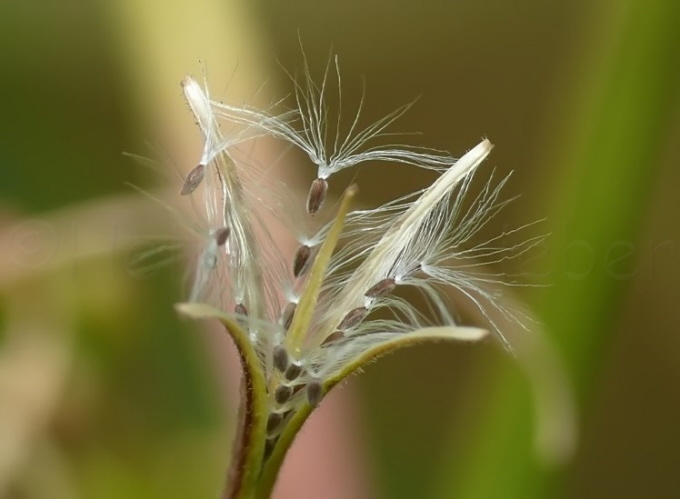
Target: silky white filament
[423, 240]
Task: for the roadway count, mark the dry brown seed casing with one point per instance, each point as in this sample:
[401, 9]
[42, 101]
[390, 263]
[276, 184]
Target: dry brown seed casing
[193, 180]
[382, 288]
[221, 236]
[333, 337]
[352, 318]
[282, 394]
[317, 195]
[314, 392]
[280, 358]
[287, 315]
[301, 259]
[292, 372]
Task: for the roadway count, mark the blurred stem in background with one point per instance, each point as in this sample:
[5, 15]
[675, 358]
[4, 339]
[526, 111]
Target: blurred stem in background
[609, 155]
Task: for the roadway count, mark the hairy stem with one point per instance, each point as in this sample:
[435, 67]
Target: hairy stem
[248, 448]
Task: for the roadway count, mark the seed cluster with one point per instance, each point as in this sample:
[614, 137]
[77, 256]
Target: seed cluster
[287, 380]
[330, 319]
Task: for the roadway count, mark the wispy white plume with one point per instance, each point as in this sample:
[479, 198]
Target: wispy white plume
[313, 318]
[311, 128]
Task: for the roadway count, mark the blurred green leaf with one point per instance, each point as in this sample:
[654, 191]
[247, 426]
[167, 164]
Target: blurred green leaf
[610, 159]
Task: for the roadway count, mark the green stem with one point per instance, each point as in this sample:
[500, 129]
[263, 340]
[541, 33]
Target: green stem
[248, 449]
[271, 468]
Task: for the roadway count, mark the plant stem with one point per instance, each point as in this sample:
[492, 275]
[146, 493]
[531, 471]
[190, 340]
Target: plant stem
[248, 449]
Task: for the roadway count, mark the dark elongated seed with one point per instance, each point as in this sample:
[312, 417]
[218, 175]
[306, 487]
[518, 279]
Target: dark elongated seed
[193, 180]
[273, 422]
[269, 446]
[282, 394]
[221, 235]
[280, 358]
[382, 288]
[292, 372]
[314, 392]
[301, 259]
[240, 309]
[353, 317]
[287, 315]
[333, 337]
[317, 195]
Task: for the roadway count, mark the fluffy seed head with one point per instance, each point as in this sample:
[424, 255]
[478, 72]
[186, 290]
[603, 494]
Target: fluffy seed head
[310, 318]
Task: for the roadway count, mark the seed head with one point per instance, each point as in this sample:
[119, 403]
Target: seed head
[311, 319]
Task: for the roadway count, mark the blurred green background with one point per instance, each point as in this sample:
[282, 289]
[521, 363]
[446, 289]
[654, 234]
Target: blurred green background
[106, 393]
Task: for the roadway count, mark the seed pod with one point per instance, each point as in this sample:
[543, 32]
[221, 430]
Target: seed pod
[292, 372]
[353, 317]
[382, 288]
[317, 195]
[280, 358]
[332, 338]
[301, 259]
[221, 236]
[282, 394]
[287, 315]
[314, 392]
[193, 180]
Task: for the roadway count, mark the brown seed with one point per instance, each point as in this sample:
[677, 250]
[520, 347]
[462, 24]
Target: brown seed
[353, 317]
[314, 392]
[282, 394]
[287, 315]
[221, 236]
[193, 180]
[332, 338]
[292, 372]
[317, 195]
[240, 309]
[273, 421]
[301, 259]
[382, 288]
[280, 358]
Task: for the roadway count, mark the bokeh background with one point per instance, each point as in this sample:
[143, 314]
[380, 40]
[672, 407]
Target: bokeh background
[105, 393]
